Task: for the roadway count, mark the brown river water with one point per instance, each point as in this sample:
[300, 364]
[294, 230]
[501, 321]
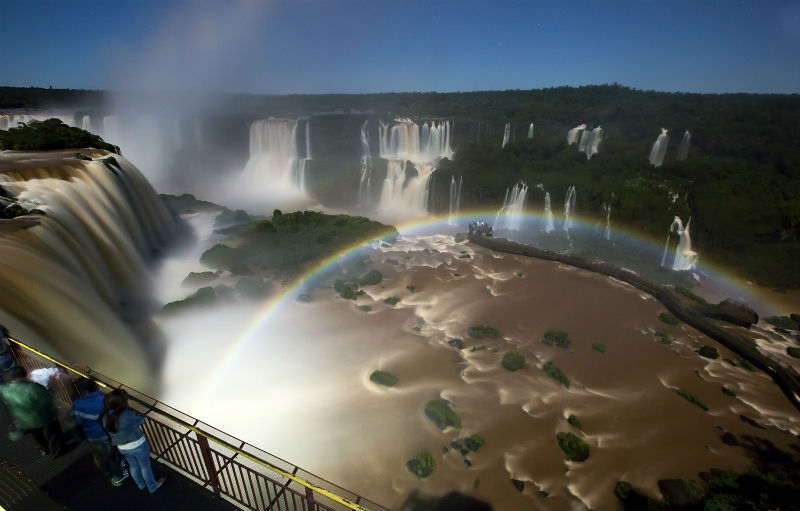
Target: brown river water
[300, 388]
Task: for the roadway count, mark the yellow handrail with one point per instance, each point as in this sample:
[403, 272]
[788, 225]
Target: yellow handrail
[259, 461]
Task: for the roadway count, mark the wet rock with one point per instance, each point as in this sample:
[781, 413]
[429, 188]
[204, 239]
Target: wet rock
[679, 493]
[519, 485]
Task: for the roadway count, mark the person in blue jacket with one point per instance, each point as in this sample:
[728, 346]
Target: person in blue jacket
[86, 411]
[123, 426]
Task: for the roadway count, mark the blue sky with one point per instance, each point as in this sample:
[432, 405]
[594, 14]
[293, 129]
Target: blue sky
[319, 46]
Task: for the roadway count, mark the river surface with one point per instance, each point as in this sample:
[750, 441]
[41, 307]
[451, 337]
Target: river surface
[299, 386]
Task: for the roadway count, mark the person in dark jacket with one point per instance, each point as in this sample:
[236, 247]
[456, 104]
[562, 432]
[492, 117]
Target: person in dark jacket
[32, 410]
[86, 411]
[123, 426]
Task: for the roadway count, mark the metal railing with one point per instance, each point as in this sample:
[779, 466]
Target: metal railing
[234, 470]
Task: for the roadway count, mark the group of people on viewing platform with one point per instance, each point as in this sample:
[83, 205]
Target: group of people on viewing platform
[111, 427]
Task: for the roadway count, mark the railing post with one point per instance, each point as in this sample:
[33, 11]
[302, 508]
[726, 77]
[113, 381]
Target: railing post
[310, 498]
[205, 451]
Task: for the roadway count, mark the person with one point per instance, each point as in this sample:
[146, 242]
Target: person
[86, 411]
[32, 410]
[7, 360]
[123, 426]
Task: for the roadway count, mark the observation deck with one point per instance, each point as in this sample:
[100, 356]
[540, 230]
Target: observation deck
[206, 468]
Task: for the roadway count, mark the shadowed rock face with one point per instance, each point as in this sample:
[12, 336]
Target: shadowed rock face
[731, 312]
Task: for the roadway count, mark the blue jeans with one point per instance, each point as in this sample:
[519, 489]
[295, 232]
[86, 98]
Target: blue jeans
[139, 466]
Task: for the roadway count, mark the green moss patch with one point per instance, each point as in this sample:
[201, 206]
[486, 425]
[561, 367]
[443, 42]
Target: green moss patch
[558, 338]
[483, 332]
[668, 319]
[513, 361]
[383, 378]
[575, 448]
[692, 399]
[457, 344]
[439, 411]
[555, 373]
[574, 421]
[421, 465]
[392, 300]
[599, 346]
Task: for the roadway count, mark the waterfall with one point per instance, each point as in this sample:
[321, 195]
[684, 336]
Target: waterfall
[274, 167]
[403, 191]
[685, 258]
[659, 148]
[574, 133]
[455, 199]
[605, 210]
[569, 207]
[510, 215]
[365, 184]
[308, 139]
[72, 277]
[506, 134]
[86, 123]
[683, 150]
[530, 131]
[589, 141]
[548, 214]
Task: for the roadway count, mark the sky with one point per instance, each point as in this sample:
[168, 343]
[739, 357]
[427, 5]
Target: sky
[356, 46]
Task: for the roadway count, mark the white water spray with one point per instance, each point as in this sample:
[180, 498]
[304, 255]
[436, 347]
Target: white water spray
[574, 133]
[510, 215]
[659, 148]
[683, 150]
[274, 169]
[685, 258]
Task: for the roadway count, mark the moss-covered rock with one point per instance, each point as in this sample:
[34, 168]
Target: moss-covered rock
[483, 332]
[204, 297]
[575, 448]
[364, 308]
[728, 392]
[793, 351]
[556, 338]
[392, 300]
[220, 257]
[785, 322]
[574, 421]
[668, 319]
[555, 373]
[599, 346]
[708, 351]
[439, 411]
[383, 378]
[421, 464]
[457, 343]
[370, 278]
[474, 442]
[513, 361]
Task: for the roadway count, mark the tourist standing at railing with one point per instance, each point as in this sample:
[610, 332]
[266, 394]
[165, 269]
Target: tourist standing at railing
[124, 427]
[86, 411]
[32, 410]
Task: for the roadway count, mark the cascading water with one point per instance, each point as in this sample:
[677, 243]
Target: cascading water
[506, 134]
[589, 141]
[549, 226]
[659, 148]
[575, 133]
[74, 276]
[605, 210]
[685, 258]
[365, 184]
[569, 207]
[683, 150]
[274, 169]
[86, 123]
[455, 199]
[510, 215]
[403, 191]
[530, 131]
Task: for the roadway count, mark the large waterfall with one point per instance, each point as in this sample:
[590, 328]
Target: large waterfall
[365, 183]
[405, 190]
[455, 199]
[659, 148]
[73, 276]
[510, 215]
[683, 150]
[275, 169]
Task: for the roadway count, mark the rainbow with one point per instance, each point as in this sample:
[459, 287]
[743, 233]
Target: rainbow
[289, 293]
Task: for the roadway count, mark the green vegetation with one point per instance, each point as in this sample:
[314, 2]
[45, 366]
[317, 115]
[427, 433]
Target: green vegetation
[204, 297]
[708, 351]
[370, 278]
[575, 448]
[784, 322]
[519, 274]
[82, 156]
[392, 300]
[668, 318]
[421, 464]
[793, 351]
[48, 135]
[685, 291]
[439, 411]
[556, 338]
[555, 373]
[111, 163]
[365, 308]
[728, 392]
[347, 291]
[465, 256]
[663, 338]
[383, 378]
[513, 361]
[289, 243]
[599, 346]
[692, 399]
[745, 363]
[574, 421]
[457, 343]
[483, 332]
[478, 348]
[474, 442]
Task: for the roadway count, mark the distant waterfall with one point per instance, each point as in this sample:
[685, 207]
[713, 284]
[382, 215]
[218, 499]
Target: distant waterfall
[71, 276]
[405, 191]
[569, 208]
[605, 210]
[574, 133]
[530, 131]
[510, 215]
[685, 258]
[455, 199]
[588, 140]
[683, 150]
[549, 226]
[275, 167]
[659, 148]
[506, 134]
[86, 123]
[365, 184]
